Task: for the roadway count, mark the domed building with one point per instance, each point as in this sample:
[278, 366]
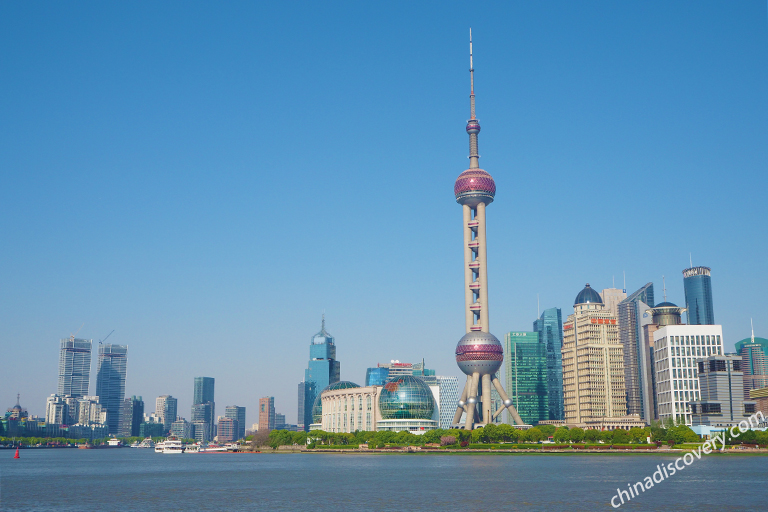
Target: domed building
[406, 403]
[317, 406]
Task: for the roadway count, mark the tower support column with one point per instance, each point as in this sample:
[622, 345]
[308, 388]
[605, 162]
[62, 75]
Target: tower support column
[483, 270]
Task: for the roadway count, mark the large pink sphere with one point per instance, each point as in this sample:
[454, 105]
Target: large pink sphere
[474, 186]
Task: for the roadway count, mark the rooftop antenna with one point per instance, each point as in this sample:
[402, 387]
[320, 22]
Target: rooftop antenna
[625, 281]
[322, 324]
[665, 288]
[753, 330]
[690, 260]
[471, 77]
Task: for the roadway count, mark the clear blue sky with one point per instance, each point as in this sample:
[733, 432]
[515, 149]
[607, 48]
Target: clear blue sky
[206, 179]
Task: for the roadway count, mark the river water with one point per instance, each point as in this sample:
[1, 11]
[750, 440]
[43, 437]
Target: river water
[138, 479]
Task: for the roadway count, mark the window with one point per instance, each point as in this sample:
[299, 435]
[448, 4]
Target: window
[737, 366]
[710, 408]
[749, 408]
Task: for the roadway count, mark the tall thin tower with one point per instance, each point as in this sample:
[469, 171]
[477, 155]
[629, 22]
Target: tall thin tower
[479, 353]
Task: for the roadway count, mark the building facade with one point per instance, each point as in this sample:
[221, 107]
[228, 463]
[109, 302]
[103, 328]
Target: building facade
[611, 298]
[322, 370]
[110, 382]
[236, 413]
[74, 367]
[204, 394]
[721, 401]
[131, 416]
[201, 415]
[697, 282]
[266, 414]
[638, 371]
[227, 430]
[593, 362]
[182, 429]
[376, 376]
[754, 363]
[166, 410]
[676, 350]
[549, 326]
[447, 397]
[525, 372]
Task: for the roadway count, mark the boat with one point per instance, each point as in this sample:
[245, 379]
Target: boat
[146, 443]
[173, 445]
[211, 448]
[192, 448]
[159, 447]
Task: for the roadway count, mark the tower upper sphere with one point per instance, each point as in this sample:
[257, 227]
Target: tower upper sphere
[474, 186]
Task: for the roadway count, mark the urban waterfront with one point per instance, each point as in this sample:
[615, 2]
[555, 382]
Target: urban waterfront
[123, 479]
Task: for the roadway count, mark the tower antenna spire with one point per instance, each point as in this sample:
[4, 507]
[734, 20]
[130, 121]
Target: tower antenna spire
[753, 330]
[471, 78]
[473, 126]
[664, 280]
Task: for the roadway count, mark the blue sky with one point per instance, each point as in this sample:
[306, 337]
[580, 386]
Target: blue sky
[207, 179]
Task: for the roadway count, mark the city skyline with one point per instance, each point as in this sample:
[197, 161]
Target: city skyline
[170, 166]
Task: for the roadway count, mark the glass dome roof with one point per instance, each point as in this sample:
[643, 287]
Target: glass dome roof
[666, 305]
[406, 397]
[317, 406]
[588, 296]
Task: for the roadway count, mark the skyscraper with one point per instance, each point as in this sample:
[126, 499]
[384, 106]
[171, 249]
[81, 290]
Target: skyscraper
[203, 394]
[131, 416]
[479, 353]
[632, 316]
[376, 376]
[166, 408]
[754, 363]
[236, 413]
[323, 370]
[110, 382]
[202, 419]
[74, 367]
[525, 372]
[611, 298]
[550, 329]
[698, 295]
[267, 414]
[593, 362]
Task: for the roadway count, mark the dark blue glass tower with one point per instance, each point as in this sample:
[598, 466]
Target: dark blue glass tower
[550, 329]
[323, 370]
[376, 376]
[698, 296]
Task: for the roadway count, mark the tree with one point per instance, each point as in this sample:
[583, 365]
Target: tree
[505, 433]
[637, 435]
[491, 433]
[561, 435]
[620, 436]
[606, 436]
[259, 439]
[576, 435]
[547, 430]
[591, 435]
[534, 435]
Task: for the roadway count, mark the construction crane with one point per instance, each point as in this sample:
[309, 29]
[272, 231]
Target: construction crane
[105, 338]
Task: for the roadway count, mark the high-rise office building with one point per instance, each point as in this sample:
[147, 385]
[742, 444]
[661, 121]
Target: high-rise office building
[90, 411]
[131, 416]
[303, 396]
[322, 370]
[110, 382]
[593, 362]
[525, 372]
[203, 394]
[166, 409]
[279, 421]
[632, 316]
[697, 282]
[266, 414]
[228, 430]
[754, 363]
[478, 353]
[721, 402]
[447, 396]
[611, 298]
[677, 348]
[376, 376]
[236, 413]
[74, 367]
[550, 329]
[201, 418]
[55, 410]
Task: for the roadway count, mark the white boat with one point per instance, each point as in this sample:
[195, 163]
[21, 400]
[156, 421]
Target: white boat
[159, 447]
[146, 443]
[173, 445]
[192, 448]
[213, 448]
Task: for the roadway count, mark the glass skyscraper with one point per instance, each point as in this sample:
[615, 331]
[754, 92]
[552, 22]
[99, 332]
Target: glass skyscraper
[754, 363]
[236, 413]
[74, 367]
[323, 370]
[110, 382]
[550, 329]
[632, 316]
[525, 371]
[698, 296]
[203, 394]
[376, 376]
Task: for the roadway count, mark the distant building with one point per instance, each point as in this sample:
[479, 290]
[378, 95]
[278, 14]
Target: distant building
[760, 397]
[55, 410]
[304, 395]
[638, 368]
[17, 412]
[166, 409]
[447, 398]
[697, 282]
[110, 382]
[236, 413]
[182, 429]
[322, 370]
[204, 394]
[201, 413]
[152, 430]
[227, 430]
[721, 402]
[525, 371]
[267, 414]
[279, 421]
[611, 298]
[74, 367]
[676, 349]
[203, 431]
[754, 363]
[131, 416]
[549, 326]
[593, 362]
[90, 411]
[376, 376]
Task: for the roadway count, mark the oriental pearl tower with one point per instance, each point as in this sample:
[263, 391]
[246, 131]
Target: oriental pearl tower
[479, 353]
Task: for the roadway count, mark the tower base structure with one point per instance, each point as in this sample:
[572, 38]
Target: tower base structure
[476, 404]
